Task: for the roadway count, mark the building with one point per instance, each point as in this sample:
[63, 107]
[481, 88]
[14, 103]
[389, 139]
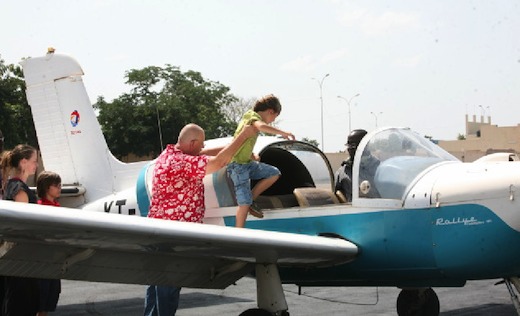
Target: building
[483, 138]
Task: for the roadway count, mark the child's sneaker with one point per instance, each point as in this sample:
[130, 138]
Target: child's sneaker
[255, 210]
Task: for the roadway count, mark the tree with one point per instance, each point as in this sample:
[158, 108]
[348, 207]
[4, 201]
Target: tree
[233, 111]
[160, 103]
[461, 137]
[15, 114]
[311, 141]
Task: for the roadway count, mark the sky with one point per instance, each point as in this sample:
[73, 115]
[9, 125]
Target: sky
[418, 64]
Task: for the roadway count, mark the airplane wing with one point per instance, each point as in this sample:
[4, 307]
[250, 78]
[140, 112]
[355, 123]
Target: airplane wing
[51, 242]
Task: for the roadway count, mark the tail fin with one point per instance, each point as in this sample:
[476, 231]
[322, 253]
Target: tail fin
[70, 137]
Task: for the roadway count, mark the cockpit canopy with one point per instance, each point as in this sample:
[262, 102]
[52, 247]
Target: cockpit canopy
[391, 159]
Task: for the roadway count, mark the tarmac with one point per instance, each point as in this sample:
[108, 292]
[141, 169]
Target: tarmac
[89, 298]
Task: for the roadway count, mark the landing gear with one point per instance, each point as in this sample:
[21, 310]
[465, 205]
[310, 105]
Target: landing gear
[269, 293]
[510, 282]
[255, 312]
[261, 312]
[418, 302]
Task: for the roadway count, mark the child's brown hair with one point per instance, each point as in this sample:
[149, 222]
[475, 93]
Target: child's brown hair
[268, 102]
[45, 180]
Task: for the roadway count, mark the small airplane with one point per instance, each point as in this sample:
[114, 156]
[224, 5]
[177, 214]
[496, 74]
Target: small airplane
[418, 218]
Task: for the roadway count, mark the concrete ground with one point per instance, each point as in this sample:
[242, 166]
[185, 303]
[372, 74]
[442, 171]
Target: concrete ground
[477, 298]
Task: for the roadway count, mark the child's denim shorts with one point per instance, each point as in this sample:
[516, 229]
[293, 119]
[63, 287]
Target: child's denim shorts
[241, 174]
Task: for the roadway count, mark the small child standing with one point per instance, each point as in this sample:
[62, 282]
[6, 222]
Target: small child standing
[48, 188]
[245, 166]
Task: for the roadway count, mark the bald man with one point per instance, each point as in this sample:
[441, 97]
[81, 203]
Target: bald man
[178, 194]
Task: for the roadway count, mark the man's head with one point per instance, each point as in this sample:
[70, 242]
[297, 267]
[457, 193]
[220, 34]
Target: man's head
[353, 140]
[191, 139]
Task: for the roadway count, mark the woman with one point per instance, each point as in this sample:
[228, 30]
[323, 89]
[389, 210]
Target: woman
[21, 295]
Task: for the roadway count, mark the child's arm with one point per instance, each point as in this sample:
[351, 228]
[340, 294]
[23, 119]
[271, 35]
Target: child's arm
[211, 151]
[266, 128]
[225, 155]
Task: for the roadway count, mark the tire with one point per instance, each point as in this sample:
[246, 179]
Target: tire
[422, 302]
[255, 312]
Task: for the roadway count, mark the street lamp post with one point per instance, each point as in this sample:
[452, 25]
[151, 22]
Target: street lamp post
[349, 117]
[320, 82]
[375, 115]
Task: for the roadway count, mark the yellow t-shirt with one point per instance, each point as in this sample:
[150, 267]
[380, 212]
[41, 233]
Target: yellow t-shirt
[243, 155]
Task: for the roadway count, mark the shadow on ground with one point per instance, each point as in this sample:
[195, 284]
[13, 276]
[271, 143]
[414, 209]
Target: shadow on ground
[486, 309]
[135, 306]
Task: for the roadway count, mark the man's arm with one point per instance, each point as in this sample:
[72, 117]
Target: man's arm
[266, 128]
[225, 155]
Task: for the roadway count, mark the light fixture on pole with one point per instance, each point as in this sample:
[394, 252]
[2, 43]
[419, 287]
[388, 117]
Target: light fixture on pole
[375, 115]
[159, 125]
[483, 113]
[349, 117]
[320, 82]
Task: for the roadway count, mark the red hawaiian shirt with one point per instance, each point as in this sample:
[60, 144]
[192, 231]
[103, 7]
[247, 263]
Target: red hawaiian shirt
[178, 187]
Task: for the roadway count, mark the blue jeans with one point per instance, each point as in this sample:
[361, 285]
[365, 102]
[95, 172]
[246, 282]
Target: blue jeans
[161, 300]
[241, 174]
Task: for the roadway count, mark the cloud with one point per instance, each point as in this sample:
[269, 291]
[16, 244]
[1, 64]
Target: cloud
[308, 63]
[408, 62]
[300, 64]
[379, 24]
[332, 56]
[118, 57]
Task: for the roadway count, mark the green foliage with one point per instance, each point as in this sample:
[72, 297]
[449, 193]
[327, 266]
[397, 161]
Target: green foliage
[234, 111]
[15, 114]
[461, 137]
[311, 141]
[160, 103]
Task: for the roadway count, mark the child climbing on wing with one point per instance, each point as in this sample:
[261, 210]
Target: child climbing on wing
[245, 167]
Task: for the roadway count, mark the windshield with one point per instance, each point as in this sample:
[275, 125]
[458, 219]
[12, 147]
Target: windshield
[392, 159]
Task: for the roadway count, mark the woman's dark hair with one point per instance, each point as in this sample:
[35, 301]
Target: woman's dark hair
[11, 159]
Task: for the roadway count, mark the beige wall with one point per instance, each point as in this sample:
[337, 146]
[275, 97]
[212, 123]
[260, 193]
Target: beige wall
[482, 138]
[336, 159]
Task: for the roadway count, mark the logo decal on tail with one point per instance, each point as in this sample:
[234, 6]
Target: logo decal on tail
[74, 118]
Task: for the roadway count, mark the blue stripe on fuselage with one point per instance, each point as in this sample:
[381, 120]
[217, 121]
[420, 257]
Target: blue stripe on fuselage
[452, 242]
[472, 240]
[143, 200]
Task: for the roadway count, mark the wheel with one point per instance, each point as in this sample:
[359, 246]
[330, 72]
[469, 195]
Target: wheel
[255, 312]
[418, 302]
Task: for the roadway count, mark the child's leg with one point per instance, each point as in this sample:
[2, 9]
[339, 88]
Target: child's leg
[267, 176]
[263, 185]
[239, 174]
[241, 215]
